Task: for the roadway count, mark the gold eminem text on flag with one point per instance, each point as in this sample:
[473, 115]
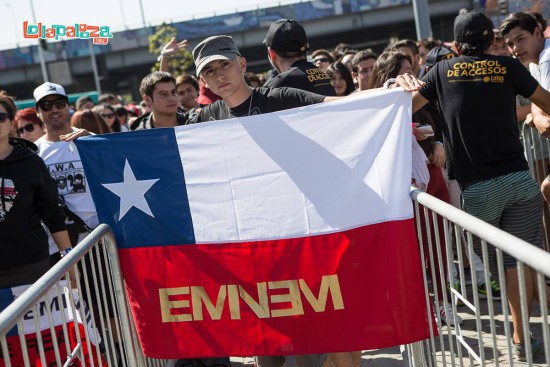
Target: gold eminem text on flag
[289, 292]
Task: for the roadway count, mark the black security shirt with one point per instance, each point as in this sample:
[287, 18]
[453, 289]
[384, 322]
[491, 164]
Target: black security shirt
[303, 75]
[262, 100]
[477, 97]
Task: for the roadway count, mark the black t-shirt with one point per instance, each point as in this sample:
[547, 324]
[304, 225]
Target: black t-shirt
[477, 95]
[146, 121]
[303, 75]
[262, 100]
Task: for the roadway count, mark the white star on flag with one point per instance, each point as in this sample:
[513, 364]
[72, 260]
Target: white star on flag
[131, 192]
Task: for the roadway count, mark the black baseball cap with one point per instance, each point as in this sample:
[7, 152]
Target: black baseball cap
[437, 54]
[286, 35]
[472, 26]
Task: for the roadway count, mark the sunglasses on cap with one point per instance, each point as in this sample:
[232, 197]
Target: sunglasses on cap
[28, 128]
[108, 115]
[47, 106]
[4, 117]
[321, 59]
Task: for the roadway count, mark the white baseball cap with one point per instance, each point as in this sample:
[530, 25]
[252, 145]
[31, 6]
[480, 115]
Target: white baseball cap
[47, 89]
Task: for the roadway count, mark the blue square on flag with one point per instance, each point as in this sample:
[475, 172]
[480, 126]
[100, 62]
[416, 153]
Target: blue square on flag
[142, 191]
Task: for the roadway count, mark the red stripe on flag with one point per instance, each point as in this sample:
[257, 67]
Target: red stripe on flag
[371, 277]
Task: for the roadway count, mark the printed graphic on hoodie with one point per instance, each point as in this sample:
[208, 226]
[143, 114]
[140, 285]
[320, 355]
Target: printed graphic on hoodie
[69, 177]
[7, 196]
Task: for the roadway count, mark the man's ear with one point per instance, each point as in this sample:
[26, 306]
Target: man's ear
[242, 62]
[272, 55]
[147, 99]
[538, 33]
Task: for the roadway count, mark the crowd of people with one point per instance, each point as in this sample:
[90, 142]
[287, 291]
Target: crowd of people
[466, 118]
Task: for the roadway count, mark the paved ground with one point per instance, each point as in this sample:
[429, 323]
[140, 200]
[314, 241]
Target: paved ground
[391, 357]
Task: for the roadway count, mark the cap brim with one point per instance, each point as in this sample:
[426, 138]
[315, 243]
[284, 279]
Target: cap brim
[51, 94]
[230, 56]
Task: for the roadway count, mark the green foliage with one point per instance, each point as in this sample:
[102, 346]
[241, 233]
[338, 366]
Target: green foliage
[180, 62]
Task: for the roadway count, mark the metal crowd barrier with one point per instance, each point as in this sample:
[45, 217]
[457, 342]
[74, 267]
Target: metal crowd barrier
[537, 152]
[86, 285]
[485, 337]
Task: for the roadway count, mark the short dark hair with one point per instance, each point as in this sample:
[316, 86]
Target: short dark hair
[540, 19]
[342, 47]
[428, 43]
[253, 77]
[410, 44]
[105, 97]
[291, 54]
[187, 79]
[524, 20]
[477, 47]
[322, 52]
[360, 56]
[148, 83]
[387, 66]
[9, 105]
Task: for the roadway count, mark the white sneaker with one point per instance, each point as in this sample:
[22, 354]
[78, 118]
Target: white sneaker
[448, 317]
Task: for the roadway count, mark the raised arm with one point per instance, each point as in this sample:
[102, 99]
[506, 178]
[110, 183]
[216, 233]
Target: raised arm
[170, 49]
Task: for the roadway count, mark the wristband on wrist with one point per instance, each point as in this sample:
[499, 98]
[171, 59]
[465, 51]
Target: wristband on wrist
[162, 54]
[438, 142]
[65, 251]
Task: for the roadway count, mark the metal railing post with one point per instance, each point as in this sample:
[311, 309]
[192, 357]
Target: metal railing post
[415, 352]
[120, 297]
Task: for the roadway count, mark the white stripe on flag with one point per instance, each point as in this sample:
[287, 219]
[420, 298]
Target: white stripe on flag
[312, 170]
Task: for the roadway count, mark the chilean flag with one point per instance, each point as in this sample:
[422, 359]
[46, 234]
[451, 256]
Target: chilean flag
[283, 233]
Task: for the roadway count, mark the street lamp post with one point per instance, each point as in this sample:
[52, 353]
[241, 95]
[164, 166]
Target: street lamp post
[142, 14]
[40, 51]
[422, 19]
[94, 67]
[8, 5]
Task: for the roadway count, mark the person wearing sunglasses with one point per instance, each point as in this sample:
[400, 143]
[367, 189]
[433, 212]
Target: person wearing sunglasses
[27, 197]
[108, 113]
[322, 59]
[29, 125]
[62, 157]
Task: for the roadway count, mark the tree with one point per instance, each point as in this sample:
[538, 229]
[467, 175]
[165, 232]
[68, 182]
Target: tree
[180, 62]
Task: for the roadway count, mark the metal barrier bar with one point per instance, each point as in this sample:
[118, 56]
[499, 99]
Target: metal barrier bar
[443, 222]
[121, 300]
[536, 258]
[481, 323]
[537, 153]
[100, 277]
